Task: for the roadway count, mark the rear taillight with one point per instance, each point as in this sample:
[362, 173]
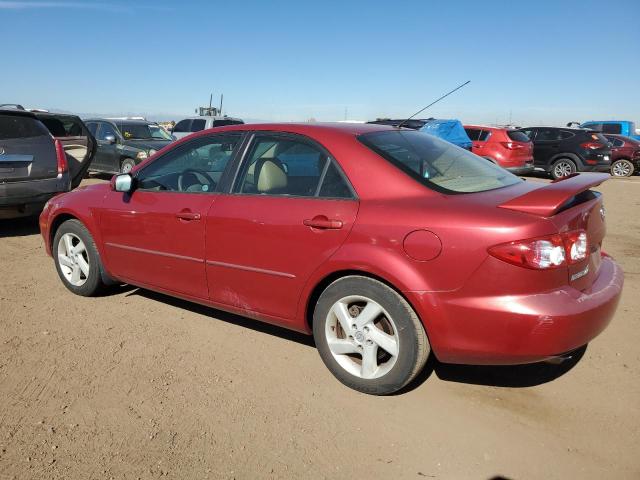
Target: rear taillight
[63, 166]
[553, 251]
[591, 145]
[512, 145]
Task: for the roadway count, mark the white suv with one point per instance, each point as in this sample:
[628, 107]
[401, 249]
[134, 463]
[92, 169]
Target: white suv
[195, 124]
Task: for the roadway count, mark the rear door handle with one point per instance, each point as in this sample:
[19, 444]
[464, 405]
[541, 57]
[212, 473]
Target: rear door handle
[188, 216]
[323, 222]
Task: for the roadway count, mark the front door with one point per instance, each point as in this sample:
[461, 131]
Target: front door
[107, 155]
[290, 210]
[155, 236]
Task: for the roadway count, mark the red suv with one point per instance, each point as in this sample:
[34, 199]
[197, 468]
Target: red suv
[511, 149]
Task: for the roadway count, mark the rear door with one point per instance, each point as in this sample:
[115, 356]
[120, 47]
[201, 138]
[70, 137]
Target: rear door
[290, 210]
[27, 150]
[545, 146]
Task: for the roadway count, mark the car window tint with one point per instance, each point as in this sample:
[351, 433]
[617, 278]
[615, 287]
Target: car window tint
[333, 184]
[182, 126]
[198, 124]
[93, 127]
[616, 142]
[436, 163]
[14, 126]
[195, 167]
[484, 135]
[592, 126]
[563, 135]
[530, 133]
[547, 135]
[222, 123]
[517, 136]
[615, 128]
[473, 133]
[282, 166]
[106, 129]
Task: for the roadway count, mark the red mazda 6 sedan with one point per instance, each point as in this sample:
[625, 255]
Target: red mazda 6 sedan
[384, 243]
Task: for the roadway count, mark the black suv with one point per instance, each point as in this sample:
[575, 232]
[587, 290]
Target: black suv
[563, 151]
[41, 154]
[122, 143]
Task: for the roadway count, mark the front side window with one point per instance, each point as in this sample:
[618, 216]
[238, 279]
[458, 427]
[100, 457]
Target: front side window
[93, 127]
[287, 166]
[195, 167]
[106, 130]
[182, 126]
[437, 164]
[198, 124]
[158, 133]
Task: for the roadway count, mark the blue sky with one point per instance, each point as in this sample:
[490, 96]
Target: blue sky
[538, 62]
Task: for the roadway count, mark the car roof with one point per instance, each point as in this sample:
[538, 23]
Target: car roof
[16, 112]
[310, 128]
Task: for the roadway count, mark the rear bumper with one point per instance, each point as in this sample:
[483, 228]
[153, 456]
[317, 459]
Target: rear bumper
[503, 330]
[19, 199]
[525, 170]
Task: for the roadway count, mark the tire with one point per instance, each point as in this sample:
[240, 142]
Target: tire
[127, 164]
[562, 168]
[389, 335]
[622, 168]
[80, 270]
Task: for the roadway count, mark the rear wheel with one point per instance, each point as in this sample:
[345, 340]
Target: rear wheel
[562, 168]
[127, 165]
[77, 260]
[622, 168]
[369, 336]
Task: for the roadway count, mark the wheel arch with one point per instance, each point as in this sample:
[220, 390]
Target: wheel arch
[565, 155]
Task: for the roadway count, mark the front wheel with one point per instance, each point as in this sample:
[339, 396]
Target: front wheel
[562, 168]
[127, 165]
[622, 168]
[368, 336]
[77, 259]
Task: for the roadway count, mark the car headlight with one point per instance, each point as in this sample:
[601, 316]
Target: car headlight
[141, 155]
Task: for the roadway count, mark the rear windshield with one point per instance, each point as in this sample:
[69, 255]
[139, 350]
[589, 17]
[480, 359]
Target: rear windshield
[14, 126]
[438, 164]
[517, 136]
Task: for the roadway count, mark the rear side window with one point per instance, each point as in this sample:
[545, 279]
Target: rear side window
[484, 135]
[222, 123]
[14, 126]
[517, 136]
[182, 126]
[473, 134]
[614, 128]
[563, 135]
[616, 142]
[436, 163]
[198, 124]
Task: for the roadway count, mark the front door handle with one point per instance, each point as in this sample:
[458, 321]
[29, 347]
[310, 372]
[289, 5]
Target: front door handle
[323, 222]
[188, 216]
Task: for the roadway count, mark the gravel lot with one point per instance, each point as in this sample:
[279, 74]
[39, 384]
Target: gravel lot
[139, 385]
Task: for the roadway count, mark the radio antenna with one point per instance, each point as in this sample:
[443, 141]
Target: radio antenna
[433, 103]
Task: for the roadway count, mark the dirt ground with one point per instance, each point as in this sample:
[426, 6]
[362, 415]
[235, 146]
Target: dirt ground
[139, 385]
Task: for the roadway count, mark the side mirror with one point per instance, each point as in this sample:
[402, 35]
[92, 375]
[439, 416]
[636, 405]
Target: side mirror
[110, 139]
[122, 183]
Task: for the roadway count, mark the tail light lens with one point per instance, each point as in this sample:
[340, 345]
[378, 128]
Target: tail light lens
[512, 145]
[63, 166]
[553, 251]
[591, 145]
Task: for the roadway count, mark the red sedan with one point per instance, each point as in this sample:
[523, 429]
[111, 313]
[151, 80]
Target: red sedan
[384, 243]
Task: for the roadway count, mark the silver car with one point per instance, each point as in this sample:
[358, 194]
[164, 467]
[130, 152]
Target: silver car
[196, 124]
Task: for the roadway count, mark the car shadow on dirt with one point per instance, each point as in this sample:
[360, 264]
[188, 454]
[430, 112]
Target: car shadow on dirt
[512, 376]
[234, 319]
[19, 227]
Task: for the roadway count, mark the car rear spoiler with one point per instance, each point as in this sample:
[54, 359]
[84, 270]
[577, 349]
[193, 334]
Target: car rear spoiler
[548, 200]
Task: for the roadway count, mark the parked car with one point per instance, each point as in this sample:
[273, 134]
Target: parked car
[450, 130]
[615, 127]
[197, 124]
[564, 151]
[33, 165]
[384, 243]
[511, 149]
[625, 155]
[122, 144]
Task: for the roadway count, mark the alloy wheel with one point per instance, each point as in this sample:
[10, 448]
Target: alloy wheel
[73, 259]
[621, 169]
[562, 169]
[362, 337]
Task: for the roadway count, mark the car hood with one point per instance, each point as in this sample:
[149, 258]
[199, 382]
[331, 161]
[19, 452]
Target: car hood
[147, 144]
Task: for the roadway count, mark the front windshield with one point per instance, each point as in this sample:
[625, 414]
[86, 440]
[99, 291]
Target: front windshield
[436, 163]
[143, 131]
